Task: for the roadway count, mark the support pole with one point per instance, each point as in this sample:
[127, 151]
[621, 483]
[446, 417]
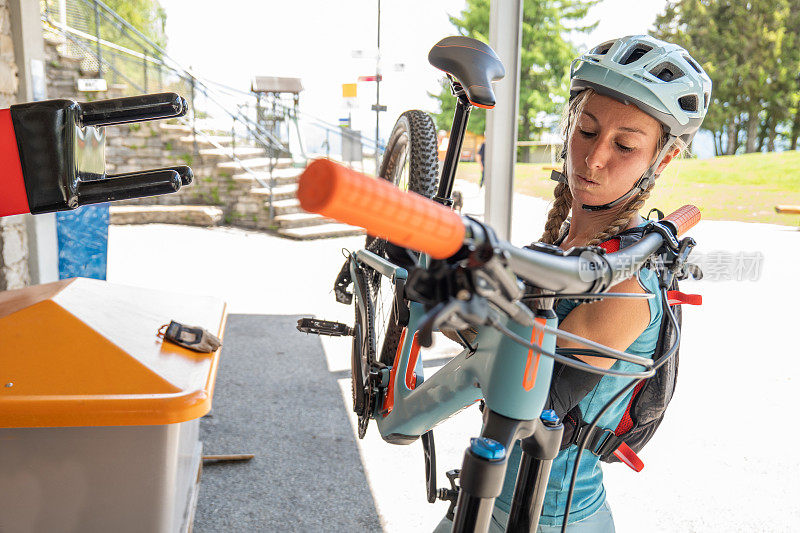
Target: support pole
[29, 55]
[377, 96]
[505, 37]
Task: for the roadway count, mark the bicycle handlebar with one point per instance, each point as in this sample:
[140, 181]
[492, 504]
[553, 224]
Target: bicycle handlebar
[406, 219]
[410, 220]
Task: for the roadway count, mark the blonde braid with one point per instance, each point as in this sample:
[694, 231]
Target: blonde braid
[558, 213]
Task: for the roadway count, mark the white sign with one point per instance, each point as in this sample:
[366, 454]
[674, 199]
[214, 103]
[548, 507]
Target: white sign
[92, 84]
[38, 81]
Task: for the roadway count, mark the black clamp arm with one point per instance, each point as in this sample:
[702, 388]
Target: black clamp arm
[53, 153]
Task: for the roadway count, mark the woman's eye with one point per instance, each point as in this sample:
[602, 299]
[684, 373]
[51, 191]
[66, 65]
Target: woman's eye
[587, 134]
[625, 148]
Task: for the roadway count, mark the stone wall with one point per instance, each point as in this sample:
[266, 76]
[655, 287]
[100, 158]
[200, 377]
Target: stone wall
[14, 272]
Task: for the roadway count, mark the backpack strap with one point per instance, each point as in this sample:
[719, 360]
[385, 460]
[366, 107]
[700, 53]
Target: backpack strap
[568, 387]
[602, 442]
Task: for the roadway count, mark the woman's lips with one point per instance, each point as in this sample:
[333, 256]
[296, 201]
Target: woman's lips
[587, 181]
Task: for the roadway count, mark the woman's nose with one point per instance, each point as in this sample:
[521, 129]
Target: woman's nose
[598, 155]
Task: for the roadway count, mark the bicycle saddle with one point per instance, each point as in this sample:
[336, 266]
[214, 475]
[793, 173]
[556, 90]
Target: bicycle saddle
[473, 63]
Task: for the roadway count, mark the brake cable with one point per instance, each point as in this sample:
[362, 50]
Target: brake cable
[572, 362]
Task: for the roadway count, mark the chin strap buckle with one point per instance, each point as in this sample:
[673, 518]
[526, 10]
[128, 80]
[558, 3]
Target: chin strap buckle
[555, 175]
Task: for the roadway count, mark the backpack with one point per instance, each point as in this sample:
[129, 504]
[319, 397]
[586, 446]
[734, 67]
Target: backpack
[648, 403]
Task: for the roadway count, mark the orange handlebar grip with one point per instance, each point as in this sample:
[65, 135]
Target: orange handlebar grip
[684, 218]
[404, 218]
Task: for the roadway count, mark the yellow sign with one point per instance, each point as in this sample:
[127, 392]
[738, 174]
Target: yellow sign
[349, 90]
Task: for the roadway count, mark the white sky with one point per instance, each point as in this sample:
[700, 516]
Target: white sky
[231, 41]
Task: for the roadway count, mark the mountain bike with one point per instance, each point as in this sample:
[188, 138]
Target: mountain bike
[427, 268]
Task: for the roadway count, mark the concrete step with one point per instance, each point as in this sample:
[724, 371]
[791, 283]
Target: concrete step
[191, 215]
[324, 231]
[51, 37]
[282, 192]
[282, 176]
[256, 164]
[300, 220]
[207, 140]
[242, 152]
[285, 207]
[180, 128]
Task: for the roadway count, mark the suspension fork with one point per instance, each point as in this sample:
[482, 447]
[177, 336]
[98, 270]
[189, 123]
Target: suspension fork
[538, 452]
[483, 470]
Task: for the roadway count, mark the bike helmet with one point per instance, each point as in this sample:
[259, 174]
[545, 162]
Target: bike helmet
[659, 78]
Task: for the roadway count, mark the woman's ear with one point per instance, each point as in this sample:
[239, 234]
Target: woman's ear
[666, 160]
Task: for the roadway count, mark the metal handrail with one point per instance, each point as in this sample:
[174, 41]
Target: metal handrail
[187, 73]
[213, 92]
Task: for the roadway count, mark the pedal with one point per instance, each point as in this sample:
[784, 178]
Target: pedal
[451, 494]
[323, 327]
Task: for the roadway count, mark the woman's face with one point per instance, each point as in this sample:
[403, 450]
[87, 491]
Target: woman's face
[612, 145]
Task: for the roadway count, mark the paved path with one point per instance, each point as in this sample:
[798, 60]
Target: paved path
[276, 399]
[724, 460]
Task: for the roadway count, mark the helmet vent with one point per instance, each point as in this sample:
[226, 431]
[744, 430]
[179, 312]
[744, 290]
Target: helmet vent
[688, 102]
[635, 53]
[705, 100]
[692, 63]
[602, 48]
[667, 72]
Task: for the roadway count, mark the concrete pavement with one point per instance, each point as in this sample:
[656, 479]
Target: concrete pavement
[723, 460]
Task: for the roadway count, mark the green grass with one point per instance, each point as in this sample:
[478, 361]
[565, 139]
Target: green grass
[745, 187]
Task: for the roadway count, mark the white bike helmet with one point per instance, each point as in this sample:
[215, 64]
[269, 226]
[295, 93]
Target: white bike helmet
[659, 78]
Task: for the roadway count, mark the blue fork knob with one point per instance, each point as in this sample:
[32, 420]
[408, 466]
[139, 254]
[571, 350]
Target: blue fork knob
[549, 418]
[487, 448]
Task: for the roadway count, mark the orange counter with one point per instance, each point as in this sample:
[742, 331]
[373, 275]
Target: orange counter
[91, 400]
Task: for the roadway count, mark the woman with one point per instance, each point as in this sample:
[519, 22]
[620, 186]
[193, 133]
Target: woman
[635, 104]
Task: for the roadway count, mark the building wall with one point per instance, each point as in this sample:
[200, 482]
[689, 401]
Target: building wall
[13, 238]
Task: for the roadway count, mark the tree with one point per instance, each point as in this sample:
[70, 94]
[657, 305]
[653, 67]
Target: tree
[544, 61]
[750, 51]
[147, 16]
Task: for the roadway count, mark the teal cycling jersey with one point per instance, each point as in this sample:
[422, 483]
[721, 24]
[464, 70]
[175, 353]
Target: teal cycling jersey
[589, 493]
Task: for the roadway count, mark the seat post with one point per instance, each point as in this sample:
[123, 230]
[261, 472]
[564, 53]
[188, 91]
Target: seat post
[457, 131]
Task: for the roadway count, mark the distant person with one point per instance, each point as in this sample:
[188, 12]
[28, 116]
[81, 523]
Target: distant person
[481, 152]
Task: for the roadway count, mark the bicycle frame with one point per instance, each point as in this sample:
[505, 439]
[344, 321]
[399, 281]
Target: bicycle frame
[514, 385]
